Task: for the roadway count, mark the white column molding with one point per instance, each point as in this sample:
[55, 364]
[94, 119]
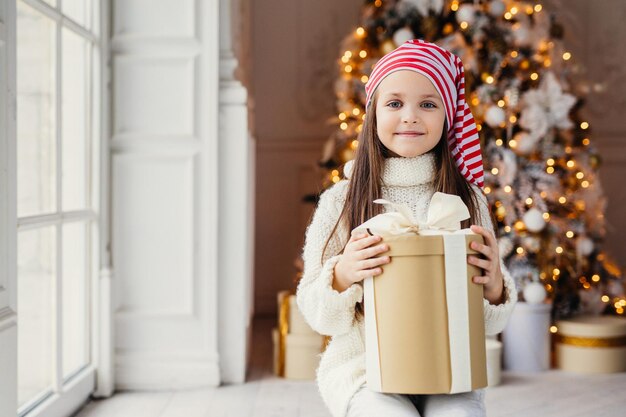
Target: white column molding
[235, 212]
[103, 329]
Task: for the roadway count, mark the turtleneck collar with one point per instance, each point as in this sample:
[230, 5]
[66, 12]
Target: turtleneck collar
[405, 172]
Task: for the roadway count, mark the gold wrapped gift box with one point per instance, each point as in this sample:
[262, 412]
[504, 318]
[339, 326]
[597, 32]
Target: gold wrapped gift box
[408, 322]
[297, 347]
[591, 344]
[424, 319]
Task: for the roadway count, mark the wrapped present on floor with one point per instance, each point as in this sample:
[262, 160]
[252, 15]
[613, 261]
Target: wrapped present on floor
[526, 338]
[591, 344]
[297, 347]
[494, 361]
[290, 316]
[424, 320]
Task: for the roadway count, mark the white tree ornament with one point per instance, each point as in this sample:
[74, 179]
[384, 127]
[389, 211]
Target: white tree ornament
[402, 35]
[534, 221]
[534, 293]
[466, 13]
[494, 116]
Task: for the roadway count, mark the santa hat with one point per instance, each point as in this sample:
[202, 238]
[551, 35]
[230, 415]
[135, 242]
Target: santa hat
[445, 71]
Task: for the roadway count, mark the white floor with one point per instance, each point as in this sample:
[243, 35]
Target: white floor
[549, 394]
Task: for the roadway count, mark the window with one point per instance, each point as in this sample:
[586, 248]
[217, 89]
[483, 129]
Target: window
[58, 124]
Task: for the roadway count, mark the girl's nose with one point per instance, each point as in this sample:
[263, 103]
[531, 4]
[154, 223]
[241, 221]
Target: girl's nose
[409, 116]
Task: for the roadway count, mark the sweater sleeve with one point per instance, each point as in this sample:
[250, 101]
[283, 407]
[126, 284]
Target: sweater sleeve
[326, 310]
[496, 316]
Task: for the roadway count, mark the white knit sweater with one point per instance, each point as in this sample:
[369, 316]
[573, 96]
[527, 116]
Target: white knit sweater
[342, 367]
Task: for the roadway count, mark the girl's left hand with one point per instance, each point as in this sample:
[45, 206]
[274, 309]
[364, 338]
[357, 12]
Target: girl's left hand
[492, 280]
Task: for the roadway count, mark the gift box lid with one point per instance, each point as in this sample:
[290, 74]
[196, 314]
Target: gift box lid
[423, 245]
[592, 326]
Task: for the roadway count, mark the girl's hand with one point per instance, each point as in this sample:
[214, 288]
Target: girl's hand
[492, 280]
[359, 260]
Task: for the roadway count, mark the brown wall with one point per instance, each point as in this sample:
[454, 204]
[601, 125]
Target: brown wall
[595, 34]
[293, 48]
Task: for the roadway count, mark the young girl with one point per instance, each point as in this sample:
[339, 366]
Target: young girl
[418, 137]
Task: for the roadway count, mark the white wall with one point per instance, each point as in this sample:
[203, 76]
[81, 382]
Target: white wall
[182, 211]
[164, 137]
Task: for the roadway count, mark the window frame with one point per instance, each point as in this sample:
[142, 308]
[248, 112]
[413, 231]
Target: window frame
[69, 393]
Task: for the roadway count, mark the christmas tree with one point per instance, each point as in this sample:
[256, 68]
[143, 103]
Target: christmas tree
[540, 163]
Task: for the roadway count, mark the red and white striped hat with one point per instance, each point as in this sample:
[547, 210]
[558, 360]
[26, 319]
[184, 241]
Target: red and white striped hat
[445, 71]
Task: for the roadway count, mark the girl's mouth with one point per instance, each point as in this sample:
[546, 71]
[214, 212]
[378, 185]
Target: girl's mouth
[409, 133]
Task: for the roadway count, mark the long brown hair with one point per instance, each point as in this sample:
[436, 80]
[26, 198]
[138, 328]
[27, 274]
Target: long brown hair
[366, 180]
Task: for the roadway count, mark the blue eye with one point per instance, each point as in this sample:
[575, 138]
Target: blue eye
[429, 105]
[394, 104]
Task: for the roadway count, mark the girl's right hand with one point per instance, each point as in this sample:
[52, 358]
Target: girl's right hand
[359, 260]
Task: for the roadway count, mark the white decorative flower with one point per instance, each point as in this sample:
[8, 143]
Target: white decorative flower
[546, 107]
[535, 120]
[423, 6]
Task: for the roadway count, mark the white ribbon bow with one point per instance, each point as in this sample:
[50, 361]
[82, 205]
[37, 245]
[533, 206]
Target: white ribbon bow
[445, 214]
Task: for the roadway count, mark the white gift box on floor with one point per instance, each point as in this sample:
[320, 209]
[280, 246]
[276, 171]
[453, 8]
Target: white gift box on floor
[297, 347]
[288, 306]
[301, 354]
[494, 361]
[592, 344]
[526, 338]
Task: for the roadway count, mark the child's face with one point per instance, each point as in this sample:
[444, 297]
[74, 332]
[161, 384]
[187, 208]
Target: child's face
[409, 113]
